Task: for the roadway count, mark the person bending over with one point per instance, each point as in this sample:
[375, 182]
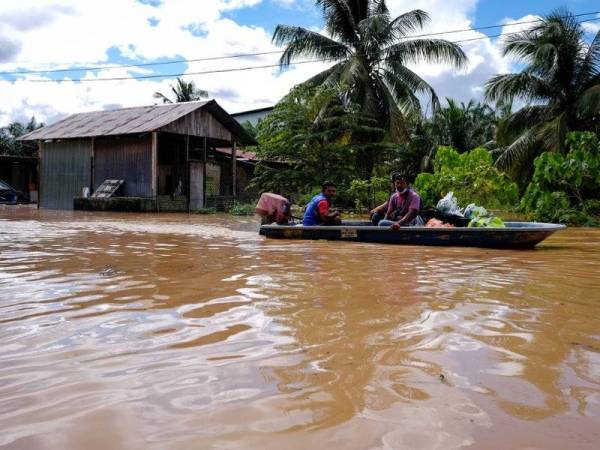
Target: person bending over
[318, 211]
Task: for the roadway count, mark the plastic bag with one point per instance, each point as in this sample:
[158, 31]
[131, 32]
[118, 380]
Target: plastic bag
[472, 211]
[486, 222]
[449, 204]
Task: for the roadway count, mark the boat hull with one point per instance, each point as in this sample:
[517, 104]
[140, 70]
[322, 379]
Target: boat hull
[515, 235]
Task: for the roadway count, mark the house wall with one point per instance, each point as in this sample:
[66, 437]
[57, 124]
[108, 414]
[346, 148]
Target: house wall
[251, 116]
[65, 169]
[199, 123]
[126, 158]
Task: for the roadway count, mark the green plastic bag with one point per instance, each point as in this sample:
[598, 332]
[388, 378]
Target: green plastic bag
[486, 222]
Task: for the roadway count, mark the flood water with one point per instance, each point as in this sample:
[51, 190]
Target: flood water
[124, 331]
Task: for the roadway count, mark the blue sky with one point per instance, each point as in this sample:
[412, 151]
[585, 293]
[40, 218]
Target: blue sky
[487, 12]
[82, 33]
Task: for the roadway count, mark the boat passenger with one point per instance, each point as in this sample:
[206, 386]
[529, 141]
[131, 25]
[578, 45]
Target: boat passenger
[318, 210]
[404, 206]
[273, 208]
[377, 214]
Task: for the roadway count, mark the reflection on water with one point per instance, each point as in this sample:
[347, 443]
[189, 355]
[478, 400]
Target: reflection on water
[141, 331]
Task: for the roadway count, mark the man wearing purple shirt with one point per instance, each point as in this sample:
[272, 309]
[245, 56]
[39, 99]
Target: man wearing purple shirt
[404, 207]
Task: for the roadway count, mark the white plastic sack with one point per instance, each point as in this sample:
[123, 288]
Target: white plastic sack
[449, 204]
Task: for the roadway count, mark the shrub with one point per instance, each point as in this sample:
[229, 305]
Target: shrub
[366, 193]
[242, 209]
[471, 176]
[565, 188]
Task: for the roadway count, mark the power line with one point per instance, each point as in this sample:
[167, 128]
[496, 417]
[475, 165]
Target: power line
[240, 69]
[172, 75]
[263, 53]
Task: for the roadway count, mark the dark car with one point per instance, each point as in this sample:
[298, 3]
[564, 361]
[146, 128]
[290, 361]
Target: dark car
[9, 195]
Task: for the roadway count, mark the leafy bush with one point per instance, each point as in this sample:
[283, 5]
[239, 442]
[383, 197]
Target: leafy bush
[366, 193]
[565, 188]
[242, 209]
[471, 176]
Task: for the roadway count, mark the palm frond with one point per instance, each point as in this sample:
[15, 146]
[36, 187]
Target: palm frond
[327, 78]
[527, 117]
[378, 7]
[397, 126]
[520, 151]
[433, 51]
[374, 32]
[339, 21]
[408, 23]
[505, 88]
[520, 45]
[402, 93]
[302, 42]
[162, 97]
[590, 63]
[552, 134]
[412, 81]
[588, 103]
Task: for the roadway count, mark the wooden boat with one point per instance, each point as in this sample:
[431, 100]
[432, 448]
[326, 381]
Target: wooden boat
[515, 235]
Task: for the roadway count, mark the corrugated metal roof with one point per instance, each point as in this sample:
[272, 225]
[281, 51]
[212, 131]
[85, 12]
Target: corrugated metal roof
[141, 119]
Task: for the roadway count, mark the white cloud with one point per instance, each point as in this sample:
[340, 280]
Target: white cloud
[593, 26]
[49, 34]
[484, 55]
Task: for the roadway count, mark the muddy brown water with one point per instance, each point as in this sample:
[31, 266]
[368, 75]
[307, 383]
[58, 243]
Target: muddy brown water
[127, 331]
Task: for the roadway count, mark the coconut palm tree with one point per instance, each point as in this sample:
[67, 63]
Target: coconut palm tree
[560, 82]
[184, 92]
[370, 51]
[464, 126]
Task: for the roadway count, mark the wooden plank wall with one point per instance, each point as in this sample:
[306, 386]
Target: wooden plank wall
[65, 169]
[128, 158]
[199, 123]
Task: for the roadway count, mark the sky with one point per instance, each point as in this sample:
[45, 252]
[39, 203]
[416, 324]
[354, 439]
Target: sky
[101, 34]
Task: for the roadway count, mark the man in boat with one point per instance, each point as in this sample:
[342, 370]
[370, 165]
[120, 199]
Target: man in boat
[404, 206]
[318, 211]
[378, 214]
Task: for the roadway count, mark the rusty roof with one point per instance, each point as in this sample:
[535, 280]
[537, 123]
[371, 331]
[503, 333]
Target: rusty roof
[139, 119]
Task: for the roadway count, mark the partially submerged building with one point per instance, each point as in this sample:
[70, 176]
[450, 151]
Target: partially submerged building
[21, 172]
[170, 157]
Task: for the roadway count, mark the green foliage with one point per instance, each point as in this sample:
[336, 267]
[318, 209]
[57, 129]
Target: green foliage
[365, 193]
[566, 188]
[471, 176]
[559, 85]
[464, 126]
[242, 209]
[461, 126]
[252, 130]
[372, 52]
[306, 140]
[9, 145]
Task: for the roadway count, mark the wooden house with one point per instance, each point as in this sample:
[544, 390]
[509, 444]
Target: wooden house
[165, 154]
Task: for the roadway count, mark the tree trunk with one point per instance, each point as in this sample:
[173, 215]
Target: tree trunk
[366, 163]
